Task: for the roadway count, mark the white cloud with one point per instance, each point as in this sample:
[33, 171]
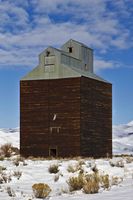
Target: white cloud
[12, 18]
[104, 64]
[27, 27]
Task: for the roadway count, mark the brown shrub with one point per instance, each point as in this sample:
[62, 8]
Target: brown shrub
[76, 183]
[17, 174]
[53, 168]
[75, 168]
[15, 150]
[129, 159]
[116, 180]
[104, 179]
[19, 159]
[56, 178]
[41, 190]
[6, 150]
[92, 183]
[5, 178]
[71, 169]
[116, 163]
[1, 157]
[2, 168]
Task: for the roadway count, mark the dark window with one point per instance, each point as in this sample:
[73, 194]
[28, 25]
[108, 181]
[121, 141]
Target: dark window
[70, 49]
[47, 53]
[86, 67]
[53, 152]
[55, 129]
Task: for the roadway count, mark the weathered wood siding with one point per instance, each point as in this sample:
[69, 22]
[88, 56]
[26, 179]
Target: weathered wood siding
[96, 118]
[40, 101]
[73, 115]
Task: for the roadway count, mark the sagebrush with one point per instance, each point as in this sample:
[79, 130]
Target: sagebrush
[41, 190]
[53, 168]
[90, 183]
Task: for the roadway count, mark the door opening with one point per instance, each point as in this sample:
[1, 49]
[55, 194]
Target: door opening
[53, 152]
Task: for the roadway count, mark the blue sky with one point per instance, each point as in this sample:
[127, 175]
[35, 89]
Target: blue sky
[27, 27]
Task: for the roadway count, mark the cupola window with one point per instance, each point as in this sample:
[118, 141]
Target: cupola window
[70, 49]
[47, 53]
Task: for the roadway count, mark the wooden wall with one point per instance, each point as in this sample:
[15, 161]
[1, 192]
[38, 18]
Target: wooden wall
[96, 118]
[83, 124]
[40, 100]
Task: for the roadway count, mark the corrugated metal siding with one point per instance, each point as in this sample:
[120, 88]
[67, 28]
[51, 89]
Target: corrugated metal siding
[69, 61]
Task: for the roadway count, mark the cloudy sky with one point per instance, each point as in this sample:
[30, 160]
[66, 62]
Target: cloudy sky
[27, 27]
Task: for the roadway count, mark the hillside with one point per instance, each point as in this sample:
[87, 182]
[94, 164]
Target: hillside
[123, 138]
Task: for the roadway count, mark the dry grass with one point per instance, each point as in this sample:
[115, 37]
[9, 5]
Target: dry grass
[129, 159]
[116, 180]
[4, 178]
[94, 168]
[15, 150]
[44, 158]
[7, 150]
[116, 163]
[41, 190]
[71, 168]
[56, 178]
[104, 179]
[76, 183]
[17, 174]
[2, 168]
[81, 162]
[18, 159]
[10, 192]
[1, 157]
[76, 167]
[53, 168]
[90, 183]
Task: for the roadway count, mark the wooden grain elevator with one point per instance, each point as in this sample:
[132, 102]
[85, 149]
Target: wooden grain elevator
[65, 109]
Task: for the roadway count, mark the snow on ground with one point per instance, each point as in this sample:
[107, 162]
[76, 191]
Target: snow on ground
[9, 136]
[120, 193]
[123, 138]
[36, 171]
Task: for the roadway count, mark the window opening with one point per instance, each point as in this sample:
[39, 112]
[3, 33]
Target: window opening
[86, 67]
[70, 49]
[55, 129]
[47, 53]
[53, 152]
